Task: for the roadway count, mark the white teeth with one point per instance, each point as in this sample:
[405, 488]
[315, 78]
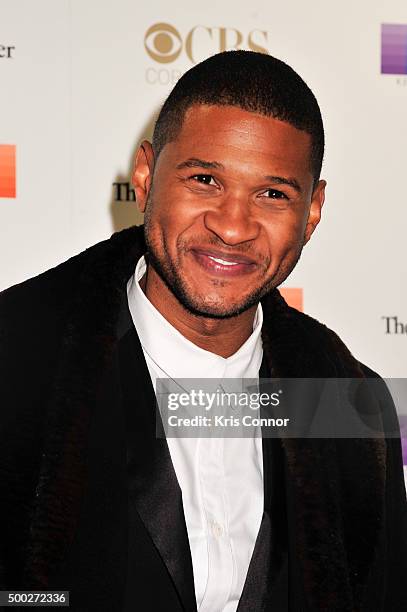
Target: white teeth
[223, 262]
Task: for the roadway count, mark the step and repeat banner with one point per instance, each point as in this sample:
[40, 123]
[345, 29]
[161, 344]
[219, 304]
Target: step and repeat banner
[82, 82]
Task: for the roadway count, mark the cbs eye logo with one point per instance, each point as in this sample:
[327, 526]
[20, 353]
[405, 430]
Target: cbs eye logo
[164, 43]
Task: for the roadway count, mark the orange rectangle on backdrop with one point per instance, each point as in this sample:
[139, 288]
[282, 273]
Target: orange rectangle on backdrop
[293, 297]
[7, 171]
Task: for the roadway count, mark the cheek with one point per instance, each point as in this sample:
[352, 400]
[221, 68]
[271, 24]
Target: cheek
[285, 234]
[174, 209]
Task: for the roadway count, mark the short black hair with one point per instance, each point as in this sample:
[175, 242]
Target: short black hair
[253, 81]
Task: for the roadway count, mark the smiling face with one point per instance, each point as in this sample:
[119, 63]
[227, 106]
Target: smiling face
[229, 209]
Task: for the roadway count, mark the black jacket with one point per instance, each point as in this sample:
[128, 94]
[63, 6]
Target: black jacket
[89, 501]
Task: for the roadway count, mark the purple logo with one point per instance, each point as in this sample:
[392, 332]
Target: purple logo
[394, 48]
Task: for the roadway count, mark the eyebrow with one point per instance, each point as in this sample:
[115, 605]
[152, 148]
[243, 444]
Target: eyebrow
[194, 162]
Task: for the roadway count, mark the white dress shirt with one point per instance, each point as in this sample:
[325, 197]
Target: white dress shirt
[221, 479]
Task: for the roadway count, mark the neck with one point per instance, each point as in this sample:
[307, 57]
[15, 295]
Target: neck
[220, 336]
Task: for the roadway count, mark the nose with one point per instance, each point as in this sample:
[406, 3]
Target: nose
[231, 220]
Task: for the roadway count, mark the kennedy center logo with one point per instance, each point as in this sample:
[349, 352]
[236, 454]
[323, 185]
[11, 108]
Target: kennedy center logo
[394, 48]
[7, 171]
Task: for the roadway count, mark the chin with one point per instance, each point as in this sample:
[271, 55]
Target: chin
[219, 309]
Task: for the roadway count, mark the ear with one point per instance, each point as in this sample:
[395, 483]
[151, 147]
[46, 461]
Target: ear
[142, 174]
[314, 215]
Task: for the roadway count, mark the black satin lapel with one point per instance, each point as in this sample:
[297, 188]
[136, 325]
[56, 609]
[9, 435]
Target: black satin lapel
[153, 488]
[255, 594]
[266, 585]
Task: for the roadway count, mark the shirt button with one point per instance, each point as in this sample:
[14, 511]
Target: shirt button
[217, 529]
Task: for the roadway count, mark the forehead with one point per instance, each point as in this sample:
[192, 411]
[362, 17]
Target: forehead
[222, 133]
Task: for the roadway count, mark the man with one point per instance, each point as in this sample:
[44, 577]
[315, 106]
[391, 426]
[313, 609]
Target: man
[92, 501]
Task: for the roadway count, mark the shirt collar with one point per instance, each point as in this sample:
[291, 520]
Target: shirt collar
[178, 356]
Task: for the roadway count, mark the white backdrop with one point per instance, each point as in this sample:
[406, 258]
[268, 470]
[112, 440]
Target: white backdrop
[84, 80]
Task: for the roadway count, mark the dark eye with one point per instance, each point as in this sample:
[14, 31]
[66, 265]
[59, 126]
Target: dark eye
[204, 178]
[274, 194]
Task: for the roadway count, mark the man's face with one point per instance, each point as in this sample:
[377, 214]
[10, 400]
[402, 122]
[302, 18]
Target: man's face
[229, 209]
